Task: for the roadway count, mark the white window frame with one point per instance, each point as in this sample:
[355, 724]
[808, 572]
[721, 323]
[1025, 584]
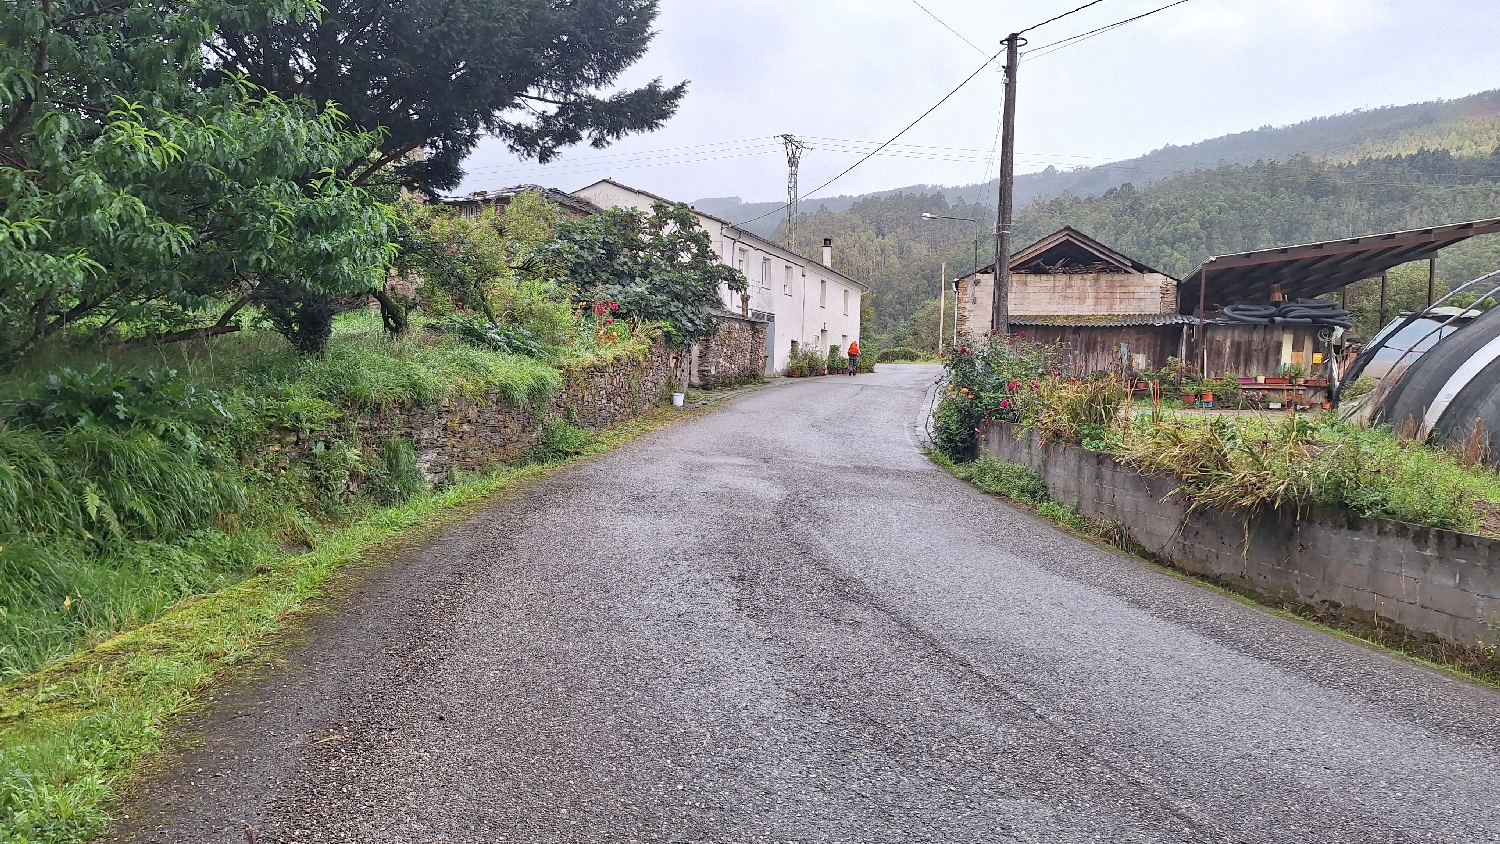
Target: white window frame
[822, 292]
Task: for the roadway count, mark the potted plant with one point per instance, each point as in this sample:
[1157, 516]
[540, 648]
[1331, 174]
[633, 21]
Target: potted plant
[1296, 373]
[678, 394]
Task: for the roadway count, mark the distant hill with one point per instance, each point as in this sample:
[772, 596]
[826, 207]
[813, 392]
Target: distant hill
[1465, 127]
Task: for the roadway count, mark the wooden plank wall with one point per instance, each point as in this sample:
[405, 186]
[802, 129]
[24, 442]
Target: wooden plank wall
[1096, 349]
[1232, 349]
[1256, 349]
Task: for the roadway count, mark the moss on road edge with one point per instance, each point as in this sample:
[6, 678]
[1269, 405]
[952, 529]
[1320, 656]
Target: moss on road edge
[73, 735]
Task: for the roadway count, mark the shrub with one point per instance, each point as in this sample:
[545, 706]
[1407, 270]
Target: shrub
[990, 383]
[497, 337]
[899, 354]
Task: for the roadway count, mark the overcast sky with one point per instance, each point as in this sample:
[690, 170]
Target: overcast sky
[841, 71]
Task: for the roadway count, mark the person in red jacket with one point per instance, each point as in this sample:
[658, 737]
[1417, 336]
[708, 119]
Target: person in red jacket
[853, 356]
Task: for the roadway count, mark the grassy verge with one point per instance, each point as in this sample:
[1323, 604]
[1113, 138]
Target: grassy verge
[1023, 488]
[72, 734]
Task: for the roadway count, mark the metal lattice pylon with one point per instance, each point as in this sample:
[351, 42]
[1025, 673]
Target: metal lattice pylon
[794, 149]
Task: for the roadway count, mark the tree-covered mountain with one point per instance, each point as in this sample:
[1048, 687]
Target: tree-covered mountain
[1175, 223]
[1466, 127]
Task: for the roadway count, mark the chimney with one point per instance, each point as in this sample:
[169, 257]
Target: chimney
[828, 252]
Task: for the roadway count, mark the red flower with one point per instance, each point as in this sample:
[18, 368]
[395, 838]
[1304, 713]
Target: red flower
[1034, 384]
[1005, 402]
[614, 306]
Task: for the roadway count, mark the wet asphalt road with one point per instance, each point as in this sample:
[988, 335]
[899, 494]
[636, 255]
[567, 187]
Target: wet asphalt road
[781, 623]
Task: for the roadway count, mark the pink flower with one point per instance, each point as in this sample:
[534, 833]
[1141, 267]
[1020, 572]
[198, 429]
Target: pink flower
[1005, 402]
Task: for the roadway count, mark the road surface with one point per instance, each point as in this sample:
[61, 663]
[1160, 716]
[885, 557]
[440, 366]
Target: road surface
[781, 623]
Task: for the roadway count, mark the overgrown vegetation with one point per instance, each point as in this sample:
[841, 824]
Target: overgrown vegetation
[1233, 463]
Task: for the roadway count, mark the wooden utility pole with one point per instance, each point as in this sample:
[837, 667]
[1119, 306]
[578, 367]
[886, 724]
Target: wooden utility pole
[1431, 278]
[1000, 307]
[942, 308]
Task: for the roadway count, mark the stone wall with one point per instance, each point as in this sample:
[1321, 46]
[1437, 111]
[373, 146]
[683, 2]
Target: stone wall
[470, 435]
[737, 353]
[1426, 580]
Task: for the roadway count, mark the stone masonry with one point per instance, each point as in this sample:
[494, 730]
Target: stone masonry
[737, 353]
[1426, 580]
[473, 436]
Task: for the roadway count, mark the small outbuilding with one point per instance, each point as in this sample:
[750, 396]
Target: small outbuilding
[1108, 308]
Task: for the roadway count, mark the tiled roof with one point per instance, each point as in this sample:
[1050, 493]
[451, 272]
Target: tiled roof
[578, 205]
[1100, 320]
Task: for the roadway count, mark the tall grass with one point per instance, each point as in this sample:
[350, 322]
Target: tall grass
[101, 529]
[1253, 462]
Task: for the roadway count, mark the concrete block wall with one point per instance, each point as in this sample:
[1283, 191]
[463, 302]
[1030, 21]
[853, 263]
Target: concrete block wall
[1427, 580]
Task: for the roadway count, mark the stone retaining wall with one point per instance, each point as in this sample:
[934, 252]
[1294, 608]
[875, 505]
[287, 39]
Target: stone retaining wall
[460, 433]
[1426, 580]
[737, 353]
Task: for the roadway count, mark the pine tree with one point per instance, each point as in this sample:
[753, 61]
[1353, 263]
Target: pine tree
[434, 76]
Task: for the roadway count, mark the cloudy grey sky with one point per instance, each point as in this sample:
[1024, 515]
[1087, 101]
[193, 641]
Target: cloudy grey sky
[845, 73]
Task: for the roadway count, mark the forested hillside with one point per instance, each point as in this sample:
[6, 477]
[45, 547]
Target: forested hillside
[1176, 223]
[1469, 126]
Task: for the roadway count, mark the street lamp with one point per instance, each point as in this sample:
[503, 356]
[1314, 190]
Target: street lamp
[943, 284]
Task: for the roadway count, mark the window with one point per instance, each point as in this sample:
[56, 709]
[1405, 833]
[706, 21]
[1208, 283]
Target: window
[765, 273]
[823, 293]
[846, 303]
[743, 263]
[786, 281]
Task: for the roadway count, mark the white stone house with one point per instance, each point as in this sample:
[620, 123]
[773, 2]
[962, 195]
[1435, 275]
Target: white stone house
[807, 303]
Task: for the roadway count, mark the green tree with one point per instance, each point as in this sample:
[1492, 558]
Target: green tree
[138, 201]
[658, 267]
[434, 76]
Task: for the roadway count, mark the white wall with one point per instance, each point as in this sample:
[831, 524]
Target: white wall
[804, 313]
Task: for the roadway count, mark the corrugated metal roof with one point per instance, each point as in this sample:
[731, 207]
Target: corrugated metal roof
[1312, 269]
[1099, 320]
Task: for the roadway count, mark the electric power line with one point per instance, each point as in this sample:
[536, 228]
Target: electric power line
[949, 28]
[1059, 17]
[893, 139]
[1038, 52]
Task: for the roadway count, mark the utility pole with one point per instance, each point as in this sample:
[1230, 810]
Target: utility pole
[1431, 278]
[794, 149]
[942, 306]
[1000, 307]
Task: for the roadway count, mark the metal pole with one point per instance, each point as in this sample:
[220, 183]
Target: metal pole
[1202, 308]
[1431, 278]
[1000, 305]
[1384, 279]
[942, 307]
